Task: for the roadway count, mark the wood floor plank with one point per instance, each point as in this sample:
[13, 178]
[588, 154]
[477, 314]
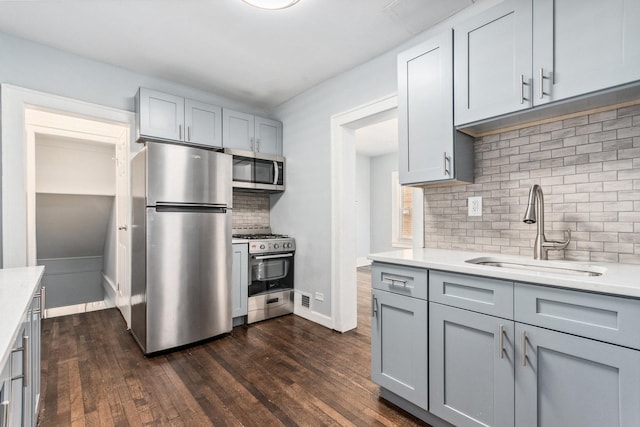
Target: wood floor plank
[286, 371]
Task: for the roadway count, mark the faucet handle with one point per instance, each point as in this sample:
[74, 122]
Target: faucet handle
[555, 245]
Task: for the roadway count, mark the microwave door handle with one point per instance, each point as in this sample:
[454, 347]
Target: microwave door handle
[277, 169]
[274, 256]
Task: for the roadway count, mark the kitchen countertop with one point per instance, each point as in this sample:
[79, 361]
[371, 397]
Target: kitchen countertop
[236, 240]
[617, 279]
[17, 287]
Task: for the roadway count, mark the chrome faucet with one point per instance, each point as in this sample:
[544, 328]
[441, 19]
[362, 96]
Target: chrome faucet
[535, 215]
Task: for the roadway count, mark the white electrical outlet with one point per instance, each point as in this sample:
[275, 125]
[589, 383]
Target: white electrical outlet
[319, 296]
[475, 206]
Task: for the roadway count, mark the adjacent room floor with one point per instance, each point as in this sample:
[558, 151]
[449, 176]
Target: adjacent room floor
[285, 371]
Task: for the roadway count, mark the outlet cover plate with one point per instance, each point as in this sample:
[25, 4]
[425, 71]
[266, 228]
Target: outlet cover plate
[475, 206]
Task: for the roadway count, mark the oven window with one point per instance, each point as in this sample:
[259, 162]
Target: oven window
[270, 269]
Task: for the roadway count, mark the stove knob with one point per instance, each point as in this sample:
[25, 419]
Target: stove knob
[276, 246]
[287, 245]
[261, 246]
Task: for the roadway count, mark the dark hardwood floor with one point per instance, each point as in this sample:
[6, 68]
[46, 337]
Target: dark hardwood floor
[285, 371]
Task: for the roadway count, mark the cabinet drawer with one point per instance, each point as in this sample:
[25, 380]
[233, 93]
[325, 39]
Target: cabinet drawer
[488, 296]
[601, 317]
[398, 279]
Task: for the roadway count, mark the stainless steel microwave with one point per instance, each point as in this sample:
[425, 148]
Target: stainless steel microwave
[257, 172]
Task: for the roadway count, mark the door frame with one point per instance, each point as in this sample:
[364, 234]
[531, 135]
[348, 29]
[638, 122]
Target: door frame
[18, 166]
[344, 313]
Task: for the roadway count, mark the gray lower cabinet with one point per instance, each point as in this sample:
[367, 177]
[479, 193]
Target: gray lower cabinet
[564, 380]
[471, 368]
[20, 377]
[399, 345]
[240, 281]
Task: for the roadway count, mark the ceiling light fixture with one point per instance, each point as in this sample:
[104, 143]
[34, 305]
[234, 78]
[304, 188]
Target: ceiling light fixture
[271, 4]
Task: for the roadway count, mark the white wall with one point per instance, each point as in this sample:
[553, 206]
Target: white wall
[38, 67]
[363, 209]
[381, 168]
[304, 210]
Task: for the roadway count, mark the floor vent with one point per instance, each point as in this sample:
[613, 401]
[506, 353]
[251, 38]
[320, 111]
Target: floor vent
[306, 301]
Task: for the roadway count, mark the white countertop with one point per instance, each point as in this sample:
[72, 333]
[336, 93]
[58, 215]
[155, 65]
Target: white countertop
[617, 279]
[17, 287]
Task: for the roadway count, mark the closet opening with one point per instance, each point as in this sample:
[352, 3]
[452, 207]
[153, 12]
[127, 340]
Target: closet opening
[78, 210]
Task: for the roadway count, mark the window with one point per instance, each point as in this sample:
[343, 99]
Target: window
[401, 228]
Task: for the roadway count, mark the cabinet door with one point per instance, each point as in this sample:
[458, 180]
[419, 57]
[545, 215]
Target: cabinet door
[5, 393]
[471, 367]
[580, 46]
[203, 123]
[240, 281]
[425, 111]
[493, 62]
[564, 380]
[238, 130]
[161, 115]
[268, 136]
[19, 400]
[399, 346]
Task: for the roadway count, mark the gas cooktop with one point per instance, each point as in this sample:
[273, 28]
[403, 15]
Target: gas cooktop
[260, 236]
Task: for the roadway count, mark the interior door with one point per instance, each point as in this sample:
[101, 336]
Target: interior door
[123, 280]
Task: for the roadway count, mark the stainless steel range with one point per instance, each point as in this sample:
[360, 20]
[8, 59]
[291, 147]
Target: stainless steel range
[270, 275]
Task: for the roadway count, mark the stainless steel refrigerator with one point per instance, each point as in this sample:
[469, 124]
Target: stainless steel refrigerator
[181, 245]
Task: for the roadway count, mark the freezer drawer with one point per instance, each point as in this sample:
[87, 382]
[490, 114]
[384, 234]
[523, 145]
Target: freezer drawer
[266, 306]
[188, 277]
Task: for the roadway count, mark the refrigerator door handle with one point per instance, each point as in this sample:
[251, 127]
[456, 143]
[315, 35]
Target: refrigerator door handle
[173, 207]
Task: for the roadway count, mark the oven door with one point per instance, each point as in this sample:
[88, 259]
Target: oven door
[270, 273]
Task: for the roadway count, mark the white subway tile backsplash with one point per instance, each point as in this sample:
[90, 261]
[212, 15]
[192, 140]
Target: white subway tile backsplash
[250, 211]
[589, 169]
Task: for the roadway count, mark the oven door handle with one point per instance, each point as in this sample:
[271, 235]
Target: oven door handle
[277, 170]
[273, 256]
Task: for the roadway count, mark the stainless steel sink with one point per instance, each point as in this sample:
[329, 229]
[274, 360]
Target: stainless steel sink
[557, 267]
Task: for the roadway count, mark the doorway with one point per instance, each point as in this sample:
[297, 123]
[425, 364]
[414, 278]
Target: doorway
[343, 212]
[77, 205]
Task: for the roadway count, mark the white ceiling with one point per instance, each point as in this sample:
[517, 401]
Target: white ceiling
[225, 46]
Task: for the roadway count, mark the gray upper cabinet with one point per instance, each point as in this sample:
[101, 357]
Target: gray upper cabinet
[525, 53]
[493, 62]
[172, 118]
[581, 46]
[246, 132]
[203, 123]
[430, 149]
[471, 367]
[564, 380]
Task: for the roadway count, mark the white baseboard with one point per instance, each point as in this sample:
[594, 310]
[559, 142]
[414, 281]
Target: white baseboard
[109, 291]
[75, 309]
[308, 313]
[362, 261]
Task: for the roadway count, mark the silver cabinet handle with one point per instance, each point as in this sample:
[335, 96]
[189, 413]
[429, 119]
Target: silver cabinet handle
[43, 295]
[501, 341]
[252, 143]
[189, 133]
[122, 227]
[524, 348]
[25, 355]
[25, 361]
[258, 145]
[523, 83]
[179, 131]
[541, 83]
[374, 306]
[5, 413]
[394, 280]
[445, 161]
